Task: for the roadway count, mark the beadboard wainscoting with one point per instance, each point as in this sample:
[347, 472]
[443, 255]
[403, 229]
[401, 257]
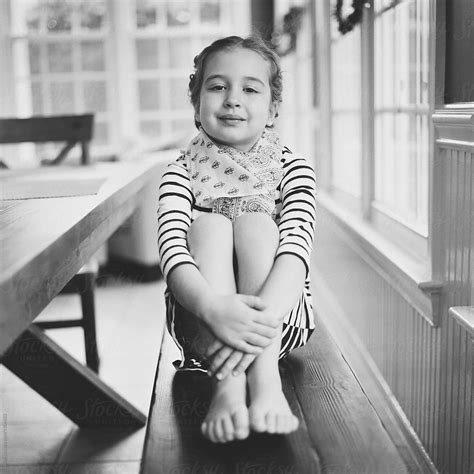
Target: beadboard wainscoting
[422, 365]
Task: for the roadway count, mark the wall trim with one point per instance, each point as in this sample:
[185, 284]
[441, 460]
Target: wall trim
[464, 316]
[455, 145]
[455, 126]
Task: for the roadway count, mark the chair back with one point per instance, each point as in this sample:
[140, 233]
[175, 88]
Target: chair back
[71, 129]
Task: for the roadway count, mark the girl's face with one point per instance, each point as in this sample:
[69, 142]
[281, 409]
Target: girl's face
[235, 99]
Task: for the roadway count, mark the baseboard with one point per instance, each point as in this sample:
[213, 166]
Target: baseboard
[370, 379]
[129, 269]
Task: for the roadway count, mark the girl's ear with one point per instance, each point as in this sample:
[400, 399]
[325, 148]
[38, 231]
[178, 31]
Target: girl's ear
[272, 113]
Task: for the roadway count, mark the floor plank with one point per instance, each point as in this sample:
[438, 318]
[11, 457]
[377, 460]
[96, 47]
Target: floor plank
[37, 438]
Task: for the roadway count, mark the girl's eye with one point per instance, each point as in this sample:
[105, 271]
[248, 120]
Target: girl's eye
[251, 90]
[217, 87]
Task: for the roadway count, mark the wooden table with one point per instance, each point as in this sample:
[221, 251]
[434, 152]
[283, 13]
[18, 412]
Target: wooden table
[43, 243]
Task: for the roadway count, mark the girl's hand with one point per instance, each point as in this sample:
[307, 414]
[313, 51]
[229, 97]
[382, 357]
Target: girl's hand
[240, 322]
[225, 360]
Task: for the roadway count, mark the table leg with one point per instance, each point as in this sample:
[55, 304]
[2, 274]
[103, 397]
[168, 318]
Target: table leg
[71, 387]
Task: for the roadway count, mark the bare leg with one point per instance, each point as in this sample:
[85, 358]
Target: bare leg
[210, 241]
[256, 242]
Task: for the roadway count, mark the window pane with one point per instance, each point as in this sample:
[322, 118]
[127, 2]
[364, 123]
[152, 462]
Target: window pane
[178, 13]
[346, 148]
[62, 97]
[147, 53]
[210, 12]
[147, 13]
[35, 60]
[92, 14]
[33, 17]
[95, 96]
[149, 94]
[92, 56]
[401, 66]
[181, 125]
[37, 98]
[178, 92]
[150, 128]
[58, 15]
[101, 133]
[180, 52]
[59, 57]
[347, 113]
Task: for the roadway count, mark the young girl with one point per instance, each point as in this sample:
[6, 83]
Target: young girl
[235, 230]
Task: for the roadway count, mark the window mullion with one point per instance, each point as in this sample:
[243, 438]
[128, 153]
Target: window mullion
[323, 19]
[124, 104]
[367, 68]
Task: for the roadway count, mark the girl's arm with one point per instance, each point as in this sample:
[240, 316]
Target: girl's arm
[296, 226]
[236, 319]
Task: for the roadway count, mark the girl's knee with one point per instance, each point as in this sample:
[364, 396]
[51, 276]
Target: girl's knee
[209, 231]
[254, 229]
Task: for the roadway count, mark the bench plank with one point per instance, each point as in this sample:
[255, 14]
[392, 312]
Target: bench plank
[339, 431]
[341, 421]
[174, 442]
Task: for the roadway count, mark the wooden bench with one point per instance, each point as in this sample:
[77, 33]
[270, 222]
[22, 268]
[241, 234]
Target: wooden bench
[339, 430]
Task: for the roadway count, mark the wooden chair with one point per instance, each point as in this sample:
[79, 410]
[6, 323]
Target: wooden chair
[72, 129]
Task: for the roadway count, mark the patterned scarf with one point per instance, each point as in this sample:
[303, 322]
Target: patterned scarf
[220, 173]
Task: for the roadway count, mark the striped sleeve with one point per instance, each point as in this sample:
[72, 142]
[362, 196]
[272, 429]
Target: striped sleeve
[174, 217]
[298, 211]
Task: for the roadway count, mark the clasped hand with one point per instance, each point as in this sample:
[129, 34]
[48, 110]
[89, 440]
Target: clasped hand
[243, 329]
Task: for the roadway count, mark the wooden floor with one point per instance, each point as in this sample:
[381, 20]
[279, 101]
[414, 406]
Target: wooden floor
[339, 430]
[35, 438]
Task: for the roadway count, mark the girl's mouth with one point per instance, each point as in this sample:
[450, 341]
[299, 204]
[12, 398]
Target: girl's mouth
[229, 118]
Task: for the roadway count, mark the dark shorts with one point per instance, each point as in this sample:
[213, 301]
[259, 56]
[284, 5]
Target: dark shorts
[192, 341]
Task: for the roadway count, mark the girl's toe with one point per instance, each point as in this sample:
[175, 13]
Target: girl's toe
[290, 423]
[227, 428]
[271, 421]
[211, 431]
[219, 431]
[241, 424]
[281, 426]
[257, 422]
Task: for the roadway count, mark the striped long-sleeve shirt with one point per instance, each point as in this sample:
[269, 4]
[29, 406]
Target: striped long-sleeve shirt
[295, 218]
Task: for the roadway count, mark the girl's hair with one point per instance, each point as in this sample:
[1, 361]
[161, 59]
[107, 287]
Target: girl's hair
[253, 43]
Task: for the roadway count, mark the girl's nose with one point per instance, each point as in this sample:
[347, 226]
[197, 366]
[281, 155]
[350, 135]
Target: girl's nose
[232, 99]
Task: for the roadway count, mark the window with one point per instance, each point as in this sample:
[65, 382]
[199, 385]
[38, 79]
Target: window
[380, 86]
[402, 111]
[126, 61]
[60, 62]
[346, 114]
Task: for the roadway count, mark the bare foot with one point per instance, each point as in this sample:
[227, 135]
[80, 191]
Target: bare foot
[269, 410]
[228, 416]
